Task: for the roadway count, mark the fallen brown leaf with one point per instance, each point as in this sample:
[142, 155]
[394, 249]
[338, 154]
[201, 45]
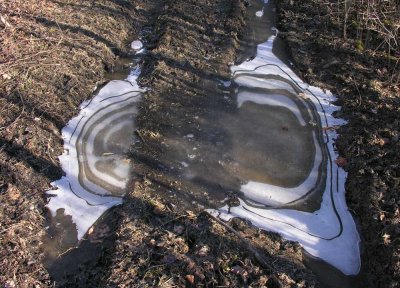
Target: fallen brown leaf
[190, 278]
[203, 251]
[13, 192]
[341, 161]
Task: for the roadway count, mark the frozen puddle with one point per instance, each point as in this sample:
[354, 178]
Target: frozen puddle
[282, 152]
[285, 159]
[263, 143]
[95, 143]
[269, 143]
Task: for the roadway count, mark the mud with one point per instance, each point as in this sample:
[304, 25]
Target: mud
[162, 241]
[53, 55]
[151, 240]
[369, 142]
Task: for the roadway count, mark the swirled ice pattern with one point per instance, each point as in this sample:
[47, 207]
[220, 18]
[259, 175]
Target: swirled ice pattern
[329, 231]
[94, 159]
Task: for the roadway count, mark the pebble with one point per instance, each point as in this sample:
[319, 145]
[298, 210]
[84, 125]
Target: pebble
[137, 45]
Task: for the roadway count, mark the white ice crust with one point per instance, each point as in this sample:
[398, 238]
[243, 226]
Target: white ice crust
[84, 206]
[260, 13]
[329, 233]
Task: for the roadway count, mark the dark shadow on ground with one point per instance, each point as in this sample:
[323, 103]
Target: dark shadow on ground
[165, 245]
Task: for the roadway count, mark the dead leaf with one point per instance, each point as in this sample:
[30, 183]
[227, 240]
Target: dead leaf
[341, 161]
[96, 235]
[203, 251]
[10, 284]
[190, 214]
[286, 279]
[386, 239]
[6, 77]
[239, 271]
[191, 264]
[382, 141]
[330, 128]
[190, 278]
[303, 95]
[13, 192]
[262, 281]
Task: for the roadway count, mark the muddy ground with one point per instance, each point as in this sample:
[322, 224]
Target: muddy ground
[162, 238]
[368, 85]
[53, 55]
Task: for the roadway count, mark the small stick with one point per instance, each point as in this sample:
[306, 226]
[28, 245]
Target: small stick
[5, 22]
[260, 258]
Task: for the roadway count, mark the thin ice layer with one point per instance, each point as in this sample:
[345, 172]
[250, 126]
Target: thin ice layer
[329, 233]
[94, 162]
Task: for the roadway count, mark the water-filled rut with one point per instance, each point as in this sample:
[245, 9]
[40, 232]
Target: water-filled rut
[262, 150]
[312, 210]
[95, 162]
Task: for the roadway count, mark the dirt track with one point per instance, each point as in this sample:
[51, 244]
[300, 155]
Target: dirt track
[55, 53]
[80, 42]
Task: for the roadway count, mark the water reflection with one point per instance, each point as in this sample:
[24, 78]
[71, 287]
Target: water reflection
[277, 143]
[292, 123]
[262, 137]
[265, 139]
[95, 162]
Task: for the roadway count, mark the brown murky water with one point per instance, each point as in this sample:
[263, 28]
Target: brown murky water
[253, 142]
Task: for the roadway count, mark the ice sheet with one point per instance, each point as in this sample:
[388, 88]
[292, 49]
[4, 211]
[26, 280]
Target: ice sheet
[329, 233]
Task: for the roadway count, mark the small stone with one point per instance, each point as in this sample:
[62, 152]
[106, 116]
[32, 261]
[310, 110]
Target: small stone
[383, 141]
[137, 45]
[203, 251]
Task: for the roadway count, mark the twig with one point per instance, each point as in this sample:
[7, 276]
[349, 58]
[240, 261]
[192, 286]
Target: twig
[15, 120]
[65, 252]
[9, 228]
[5, 22]
[172, 220]
[152, 267]
[260, 258]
